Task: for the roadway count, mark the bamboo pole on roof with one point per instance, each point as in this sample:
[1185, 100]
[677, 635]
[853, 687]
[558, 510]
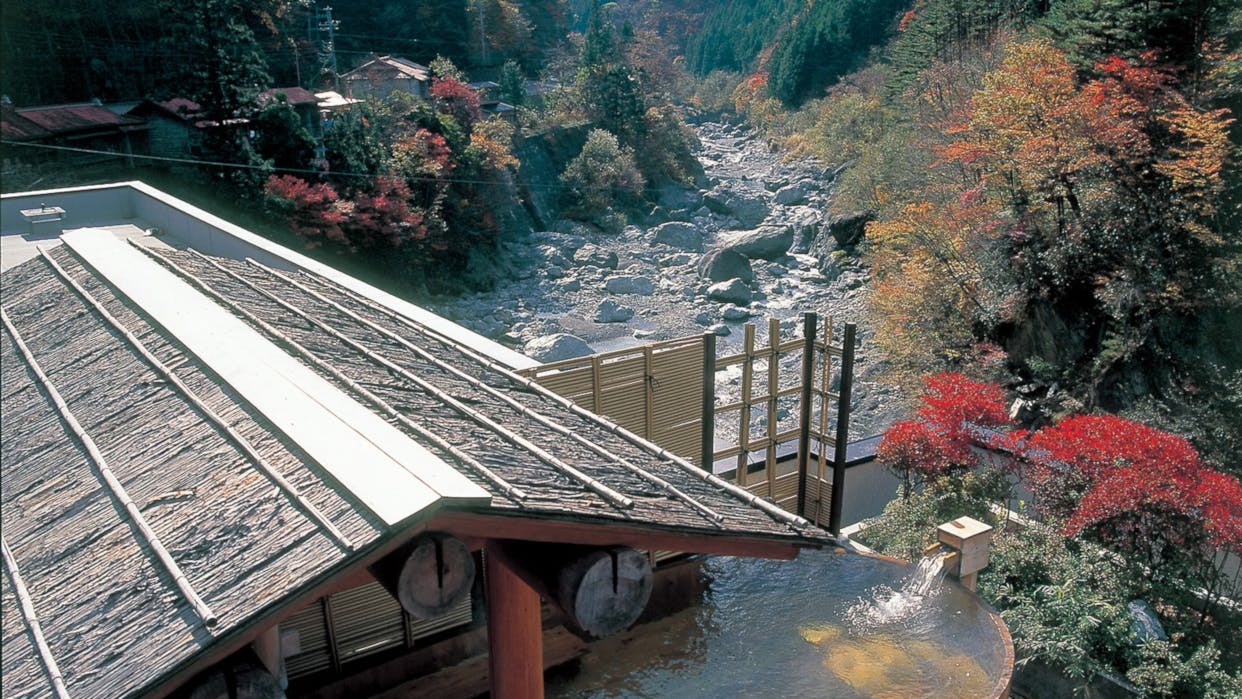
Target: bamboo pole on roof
[706, 475]
[474, 381]
[507, 488]
[262, 464]
[32, 622]
[110, 480]
[593, 484]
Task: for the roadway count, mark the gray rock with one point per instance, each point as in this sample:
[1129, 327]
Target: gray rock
[554, 272]
[848, 229]
[639, 285]
[679, 234]
[703, 318]
[674, 197]
[552, 255]
[734, 291]
[734, 313]
[569, 286]
[595, 256]
[773, 184]
[749, 210]
[609, 311]
[720, 329]
[676, 259]
[788, 196]
[764, 242]
[573, 228]
[554, 348]
[725, 264]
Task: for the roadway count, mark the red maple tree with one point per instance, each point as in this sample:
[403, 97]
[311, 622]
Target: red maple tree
[940, 442]
[1134, 488]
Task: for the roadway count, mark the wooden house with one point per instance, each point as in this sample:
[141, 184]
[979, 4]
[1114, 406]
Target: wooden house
[178, 127]
[303, 101]
[76, 128]
[225, 464]
[380, 76]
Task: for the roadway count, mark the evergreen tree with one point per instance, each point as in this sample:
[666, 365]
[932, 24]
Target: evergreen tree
[512, 84]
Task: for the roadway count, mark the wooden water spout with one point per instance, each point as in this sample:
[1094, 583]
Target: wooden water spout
[972, 540]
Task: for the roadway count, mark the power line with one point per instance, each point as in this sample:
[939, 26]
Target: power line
[246, 166]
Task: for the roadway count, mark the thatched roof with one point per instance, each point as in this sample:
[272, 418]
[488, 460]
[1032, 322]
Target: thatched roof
[114, 393]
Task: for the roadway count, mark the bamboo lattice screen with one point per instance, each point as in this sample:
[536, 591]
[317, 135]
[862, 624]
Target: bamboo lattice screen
[657, 391]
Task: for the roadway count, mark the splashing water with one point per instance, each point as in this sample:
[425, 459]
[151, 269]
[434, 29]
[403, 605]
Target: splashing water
[888, 606]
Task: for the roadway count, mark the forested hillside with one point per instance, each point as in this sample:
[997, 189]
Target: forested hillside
[419, 188]
[1053, 194]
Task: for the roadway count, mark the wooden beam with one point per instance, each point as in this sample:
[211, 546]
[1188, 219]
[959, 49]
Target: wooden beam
[429, 576]
[468, 524]
[600, 590]
[514, 632]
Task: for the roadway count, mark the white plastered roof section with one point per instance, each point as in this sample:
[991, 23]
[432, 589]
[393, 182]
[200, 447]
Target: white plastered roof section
[393, 476]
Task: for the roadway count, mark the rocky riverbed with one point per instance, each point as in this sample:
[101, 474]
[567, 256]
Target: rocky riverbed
[751, 242]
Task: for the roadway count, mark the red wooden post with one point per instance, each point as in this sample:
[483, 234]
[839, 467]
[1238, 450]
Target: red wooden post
[514, 633]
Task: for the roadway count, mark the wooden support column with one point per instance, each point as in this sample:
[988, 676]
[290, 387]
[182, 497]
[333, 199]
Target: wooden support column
[514, 632]
[843, 430]
[804, 414]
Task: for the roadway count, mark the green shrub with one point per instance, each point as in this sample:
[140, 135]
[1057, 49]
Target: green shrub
[602, 177]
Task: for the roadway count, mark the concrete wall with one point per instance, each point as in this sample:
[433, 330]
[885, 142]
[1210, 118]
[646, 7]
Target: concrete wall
[84, 206]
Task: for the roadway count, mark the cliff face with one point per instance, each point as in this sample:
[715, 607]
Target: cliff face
[543, 157]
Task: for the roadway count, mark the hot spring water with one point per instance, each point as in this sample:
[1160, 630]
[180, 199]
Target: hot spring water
[823, 625]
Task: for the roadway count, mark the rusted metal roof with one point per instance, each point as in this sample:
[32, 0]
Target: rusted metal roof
[69, 119]
[186, 110]
[293, 95]
[155, 505]
[15, 127]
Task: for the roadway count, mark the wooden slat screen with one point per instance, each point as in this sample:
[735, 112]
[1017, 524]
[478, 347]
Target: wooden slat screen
[654, 390]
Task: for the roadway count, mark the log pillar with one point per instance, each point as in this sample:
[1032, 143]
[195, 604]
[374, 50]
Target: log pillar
[514, 632]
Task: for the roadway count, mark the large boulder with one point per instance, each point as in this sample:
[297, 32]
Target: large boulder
[554, 348]
[805, 222]
[595, 256]
[790, 195]
[734, 291]
[847, 229]
[609, 311]
[630, 284]
[674, 197]
[763, 243]
[748, 208]
[678, 234]
[725, 264]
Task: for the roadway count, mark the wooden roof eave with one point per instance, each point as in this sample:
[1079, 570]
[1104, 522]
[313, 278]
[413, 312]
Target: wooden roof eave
[473, 526]
[349, 572]
[520, 526]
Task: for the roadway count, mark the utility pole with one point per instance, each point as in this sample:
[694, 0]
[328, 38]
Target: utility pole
[321, 32]
[482, 31]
